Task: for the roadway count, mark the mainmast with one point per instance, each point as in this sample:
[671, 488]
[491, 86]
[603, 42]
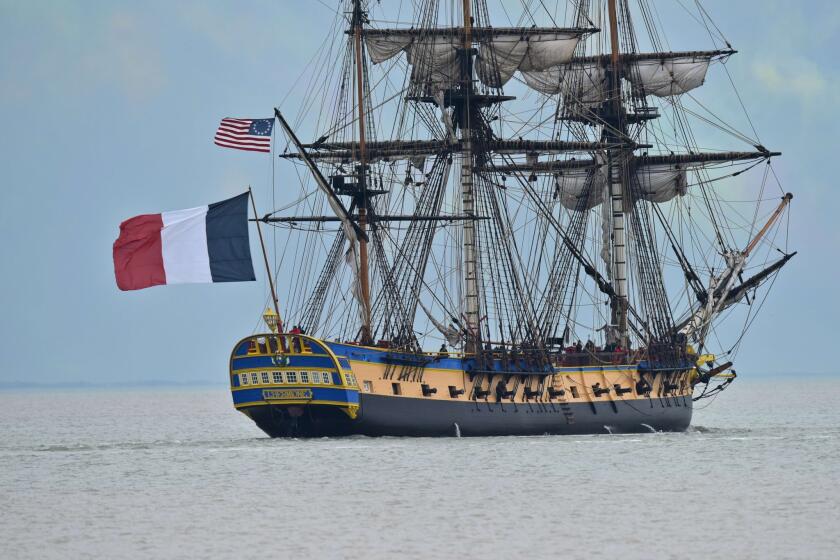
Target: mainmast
[615, 131]
[467, 192]
[362, 199]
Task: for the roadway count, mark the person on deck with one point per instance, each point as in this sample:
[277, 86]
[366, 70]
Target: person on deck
[443, 352]
[296, 345]
[578, 347]
[501, 390]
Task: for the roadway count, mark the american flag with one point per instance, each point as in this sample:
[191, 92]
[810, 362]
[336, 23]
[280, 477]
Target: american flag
[253, 135]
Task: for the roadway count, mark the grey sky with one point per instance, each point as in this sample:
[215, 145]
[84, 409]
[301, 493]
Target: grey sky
[109, 108]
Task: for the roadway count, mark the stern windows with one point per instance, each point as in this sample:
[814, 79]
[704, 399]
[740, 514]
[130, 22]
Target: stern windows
[395, 387]
[277, 376]
[350, 379]
[265, 378]
[291, 376]
[304, 377]
[243, 378]
[315, 378]
[254, 379]
[325, 377]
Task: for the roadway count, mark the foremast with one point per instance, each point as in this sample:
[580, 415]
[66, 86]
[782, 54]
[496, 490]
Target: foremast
[615, 133]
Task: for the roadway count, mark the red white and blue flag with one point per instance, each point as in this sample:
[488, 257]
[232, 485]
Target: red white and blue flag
[196, 245]
[253, 135]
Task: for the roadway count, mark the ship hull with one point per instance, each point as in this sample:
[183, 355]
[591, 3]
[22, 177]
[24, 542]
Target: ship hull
[388, 416]
[414, 417]
[298, 386]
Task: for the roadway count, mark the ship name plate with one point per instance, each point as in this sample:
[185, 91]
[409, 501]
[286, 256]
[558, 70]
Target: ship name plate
[287, 394]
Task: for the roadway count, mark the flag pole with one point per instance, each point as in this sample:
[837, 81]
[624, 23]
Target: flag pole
[265, 258]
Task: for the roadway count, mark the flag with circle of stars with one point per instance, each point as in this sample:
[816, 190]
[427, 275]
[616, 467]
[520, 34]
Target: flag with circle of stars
[253, 135]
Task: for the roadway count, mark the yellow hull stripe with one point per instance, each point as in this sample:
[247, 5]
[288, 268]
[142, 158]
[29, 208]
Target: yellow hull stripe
[283, 401]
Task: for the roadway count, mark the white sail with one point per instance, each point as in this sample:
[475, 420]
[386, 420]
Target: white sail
[654, 183]
[385, 47]
[660, 183]
[351, 259]
[584, 83]
[450, 333]
[434, 62]
[574, 185]
[434, 58]
[581, 84]
[501, 56]
[669, 76]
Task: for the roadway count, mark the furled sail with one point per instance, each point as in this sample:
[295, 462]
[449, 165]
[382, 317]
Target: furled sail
[582, 189]
[394, 150]
[434, 62]
[660, 183]
[667, 77]
[351, 259]
[433, 58]
[433, 54]
[582, 82]
[562, 166]
[450, 333]
[381, 48]
[499, 57]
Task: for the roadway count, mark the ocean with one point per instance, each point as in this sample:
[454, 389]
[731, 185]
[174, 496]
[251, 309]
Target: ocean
[177, 473]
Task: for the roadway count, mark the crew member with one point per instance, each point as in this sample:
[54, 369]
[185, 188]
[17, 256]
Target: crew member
[501, 389]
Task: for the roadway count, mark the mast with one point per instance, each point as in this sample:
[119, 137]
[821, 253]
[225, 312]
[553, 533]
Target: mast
[265, 259]
[722, 289]
[364, 280]
[614, 131]
[467, 193]
[516, 277]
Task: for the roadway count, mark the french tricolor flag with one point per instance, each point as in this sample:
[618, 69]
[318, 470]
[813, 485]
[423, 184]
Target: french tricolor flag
[197, 245]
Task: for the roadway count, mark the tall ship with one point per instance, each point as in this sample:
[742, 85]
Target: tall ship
[510, 224]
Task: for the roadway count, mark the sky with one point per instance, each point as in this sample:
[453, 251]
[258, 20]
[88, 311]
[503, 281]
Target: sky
[109, 108]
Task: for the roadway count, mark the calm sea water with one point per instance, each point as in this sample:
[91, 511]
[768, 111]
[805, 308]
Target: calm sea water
[179, 474]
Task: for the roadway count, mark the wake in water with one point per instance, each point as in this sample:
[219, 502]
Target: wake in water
[141, 445]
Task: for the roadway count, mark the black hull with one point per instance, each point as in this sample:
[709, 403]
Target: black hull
[393, 416]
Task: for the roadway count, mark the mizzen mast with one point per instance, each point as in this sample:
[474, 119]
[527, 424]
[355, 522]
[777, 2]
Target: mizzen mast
[365, 336]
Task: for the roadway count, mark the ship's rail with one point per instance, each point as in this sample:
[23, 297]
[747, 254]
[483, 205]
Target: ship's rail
[588, 359]
[283, 343]
[531, 356]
